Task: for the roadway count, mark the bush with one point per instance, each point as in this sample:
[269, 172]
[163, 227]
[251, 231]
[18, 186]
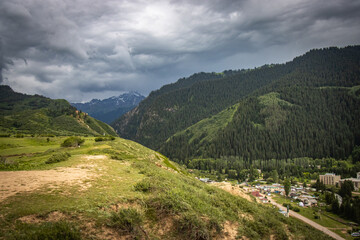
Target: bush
[58, 157]
[8, 163]
[143, 186]
[296, 209]
[5, 135]
[192, 227]
[72, 142]
[108, 138]
[2, 160]
[286, 204]
[127, 221]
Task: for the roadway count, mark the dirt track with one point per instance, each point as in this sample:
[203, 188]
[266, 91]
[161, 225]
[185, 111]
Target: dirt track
[235, 191]
[308, 221]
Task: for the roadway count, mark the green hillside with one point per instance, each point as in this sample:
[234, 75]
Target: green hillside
[25, 114]
[294, 122]
[175, 107]
[121, 190]
[306, 107]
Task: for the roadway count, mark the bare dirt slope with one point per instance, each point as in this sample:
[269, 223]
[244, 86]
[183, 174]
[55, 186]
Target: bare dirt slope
[13, 182]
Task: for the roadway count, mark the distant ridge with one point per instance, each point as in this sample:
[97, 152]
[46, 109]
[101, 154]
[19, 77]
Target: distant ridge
[110, 109]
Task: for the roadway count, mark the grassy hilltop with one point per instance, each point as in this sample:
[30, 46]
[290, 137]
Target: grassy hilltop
[34, 114]
[118, 189]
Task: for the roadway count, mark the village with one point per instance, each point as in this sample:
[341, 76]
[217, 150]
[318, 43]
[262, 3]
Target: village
[302, 201]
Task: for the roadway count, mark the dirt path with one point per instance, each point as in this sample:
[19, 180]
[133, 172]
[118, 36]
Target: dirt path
[13, 182]
[308, 221]
[235, 191]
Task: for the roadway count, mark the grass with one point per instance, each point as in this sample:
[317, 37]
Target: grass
[58, 157]
[207, 128]
[47, 230]
[127, 221]
[132, 195]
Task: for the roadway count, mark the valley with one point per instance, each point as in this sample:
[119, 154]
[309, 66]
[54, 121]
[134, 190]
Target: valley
[67, 175]
[82, 197]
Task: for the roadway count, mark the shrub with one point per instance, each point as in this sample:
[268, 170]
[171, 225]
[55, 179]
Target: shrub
[127, 221]
[58, 157]
[2, 160]
[72, 142]
[99, 139]
[142, 186]
[115, 157]
[296, 209]
[8, 163]
[5, 135]
[108, 138]
[192, 227]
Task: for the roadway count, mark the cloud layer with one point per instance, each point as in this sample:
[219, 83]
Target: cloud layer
[82, 49]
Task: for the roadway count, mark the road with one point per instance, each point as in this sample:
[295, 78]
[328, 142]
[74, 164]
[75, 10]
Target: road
[308, 221]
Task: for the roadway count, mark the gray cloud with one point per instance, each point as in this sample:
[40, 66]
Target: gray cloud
[81, 49]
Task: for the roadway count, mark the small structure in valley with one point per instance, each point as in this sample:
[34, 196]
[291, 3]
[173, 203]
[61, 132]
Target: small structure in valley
[330, 178]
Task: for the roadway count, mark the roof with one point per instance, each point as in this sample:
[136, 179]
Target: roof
[256, 194]
[350, 179]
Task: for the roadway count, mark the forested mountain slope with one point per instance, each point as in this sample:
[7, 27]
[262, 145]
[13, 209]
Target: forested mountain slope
[283, 110]
[178, 106]
[26, 114]
[292, 122]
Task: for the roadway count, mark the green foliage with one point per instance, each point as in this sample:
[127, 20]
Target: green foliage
[107, 138]
[192, 227]
[320, 186]
[175, 197]
[296, 209]
[275, 175]
[287, 186]
[58, 157]
[355, 154]
[143, 186]
[127, 221]
[72, 142]
[24, 114]
[45, 231]
[2, 160]
[8, 164]
[304, 108]
[346, 189]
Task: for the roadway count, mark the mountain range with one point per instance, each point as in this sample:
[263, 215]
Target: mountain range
[308, 107]
[110, 109]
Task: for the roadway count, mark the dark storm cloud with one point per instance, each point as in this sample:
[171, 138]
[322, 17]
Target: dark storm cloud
[80, 49]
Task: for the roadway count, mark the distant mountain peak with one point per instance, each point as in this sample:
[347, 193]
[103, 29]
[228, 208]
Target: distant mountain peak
[109, 109]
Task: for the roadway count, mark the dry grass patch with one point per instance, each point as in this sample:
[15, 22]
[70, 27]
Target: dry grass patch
[14, 182]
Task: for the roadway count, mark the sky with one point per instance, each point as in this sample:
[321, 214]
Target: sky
[85, 49]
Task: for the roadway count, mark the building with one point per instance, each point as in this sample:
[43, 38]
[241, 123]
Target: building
[329, 179]
[355, 181]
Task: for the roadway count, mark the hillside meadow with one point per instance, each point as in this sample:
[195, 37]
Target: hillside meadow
[118, 189]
